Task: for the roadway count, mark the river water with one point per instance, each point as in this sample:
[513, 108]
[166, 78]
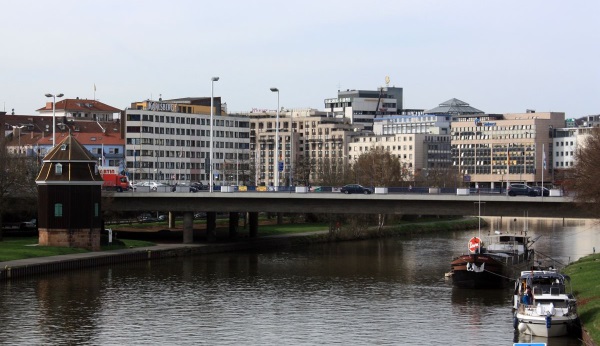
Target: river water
[377, 292]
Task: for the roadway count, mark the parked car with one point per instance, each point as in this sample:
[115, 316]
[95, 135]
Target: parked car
[195, 187]
[521, 190]
[29, 224]
[355, 188]
[152, 185]
[538, 191]
[146, 217]
[162, 217]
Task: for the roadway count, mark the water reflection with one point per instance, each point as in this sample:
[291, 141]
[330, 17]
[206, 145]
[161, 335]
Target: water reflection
[386, 292]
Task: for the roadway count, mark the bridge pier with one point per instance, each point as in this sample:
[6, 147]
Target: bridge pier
[171, 220]
[253, 224]
[188, 227]
[234, 221]
[211, 226]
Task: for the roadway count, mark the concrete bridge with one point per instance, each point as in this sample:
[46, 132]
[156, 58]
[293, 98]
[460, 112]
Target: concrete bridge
[410, 204]
[289, 202]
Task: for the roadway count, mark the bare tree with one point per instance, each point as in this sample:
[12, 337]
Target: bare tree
[378, 167]
[304, 167]
[585, 173]
[439, 177]
[17, 182]
[331, 172]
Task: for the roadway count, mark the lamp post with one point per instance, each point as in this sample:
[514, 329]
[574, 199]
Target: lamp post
[276, 183]
[210, 158]
[54, 96]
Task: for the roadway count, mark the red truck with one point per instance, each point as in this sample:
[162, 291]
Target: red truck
[113, 180]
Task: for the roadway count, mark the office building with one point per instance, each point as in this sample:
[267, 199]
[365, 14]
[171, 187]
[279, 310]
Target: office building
[169, 141]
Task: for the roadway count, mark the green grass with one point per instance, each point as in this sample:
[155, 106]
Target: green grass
[13, 248]
[291, 228]
[586, 287]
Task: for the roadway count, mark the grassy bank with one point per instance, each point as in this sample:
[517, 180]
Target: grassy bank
[586, 287]
[20, 248]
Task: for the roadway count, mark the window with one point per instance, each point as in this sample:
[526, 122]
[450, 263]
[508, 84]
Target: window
[58, 210]
[58, 169]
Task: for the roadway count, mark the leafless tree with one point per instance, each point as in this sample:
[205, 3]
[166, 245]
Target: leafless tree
[585, 173]
[302, 171]
[439, 177]
[378, 167]
[331, 172]
[17, 182]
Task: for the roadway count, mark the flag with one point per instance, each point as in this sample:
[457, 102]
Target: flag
[103, 157]
[94, 86]
[544, 160]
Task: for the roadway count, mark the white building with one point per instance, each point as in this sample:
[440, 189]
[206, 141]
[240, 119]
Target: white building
[169, 141]
[363, 106]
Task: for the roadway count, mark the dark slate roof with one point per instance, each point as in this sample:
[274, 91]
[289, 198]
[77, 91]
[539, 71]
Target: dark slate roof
[454, 106]
[78, 164]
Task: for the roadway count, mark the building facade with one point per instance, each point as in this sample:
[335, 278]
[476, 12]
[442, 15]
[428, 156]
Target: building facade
[495, 150]
[308, 140]
[361, 107]
[169, 141]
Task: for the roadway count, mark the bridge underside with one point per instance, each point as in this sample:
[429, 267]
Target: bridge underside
[547, 207]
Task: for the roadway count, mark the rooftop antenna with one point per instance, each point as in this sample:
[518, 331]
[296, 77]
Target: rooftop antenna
[387, 81]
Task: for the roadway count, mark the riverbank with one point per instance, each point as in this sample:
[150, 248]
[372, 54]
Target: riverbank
[586, 287]
[40, 265]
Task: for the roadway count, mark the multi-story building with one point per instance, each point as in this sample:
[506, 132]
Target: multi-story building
[169, 141]
[363, 106]
[420, 141]
[493, 150]
[307, 137]
[565, 143]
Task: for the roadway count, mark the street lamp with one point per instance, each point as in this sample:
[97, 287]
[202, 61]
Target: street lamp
[54, 116]
[276, 183]
[210, 159]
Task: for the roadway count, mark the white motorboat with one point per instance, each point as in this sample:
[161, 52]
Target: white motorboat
[551, 310]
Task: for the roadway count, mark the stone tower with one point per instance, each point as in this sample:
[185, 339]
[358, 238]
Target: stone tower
[69, 204]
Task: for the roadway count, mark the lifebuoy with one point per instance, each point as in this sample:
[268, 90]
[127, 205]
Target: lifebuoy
[474, 244]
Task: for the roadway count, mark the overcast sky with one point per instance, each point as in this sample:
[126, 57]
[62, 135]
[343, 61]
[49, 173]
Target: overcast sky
[498, 56]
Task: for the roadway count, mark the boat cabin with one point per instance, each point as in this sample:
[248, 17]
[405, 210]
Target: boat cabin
[507, 244]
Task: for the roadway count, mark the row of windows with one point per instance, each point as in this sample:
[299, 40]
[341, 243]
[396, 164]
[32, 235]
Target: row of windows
[170, 119]
[185, 132]
[382, 139]
[564, 153]
[393, 148]
[163, 142]
[564, 164]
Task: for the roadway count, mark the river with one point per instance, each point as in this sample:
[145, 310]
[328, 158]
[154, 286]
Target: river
[377, 292]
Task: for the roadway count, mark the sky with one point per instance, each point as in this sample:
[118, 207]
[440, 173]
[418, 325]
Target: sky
[499, 56]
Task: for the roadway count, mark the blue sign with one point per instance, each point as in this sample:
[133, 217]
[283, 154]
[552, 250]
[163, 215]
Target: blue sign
[281, 166]
[530, 344]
